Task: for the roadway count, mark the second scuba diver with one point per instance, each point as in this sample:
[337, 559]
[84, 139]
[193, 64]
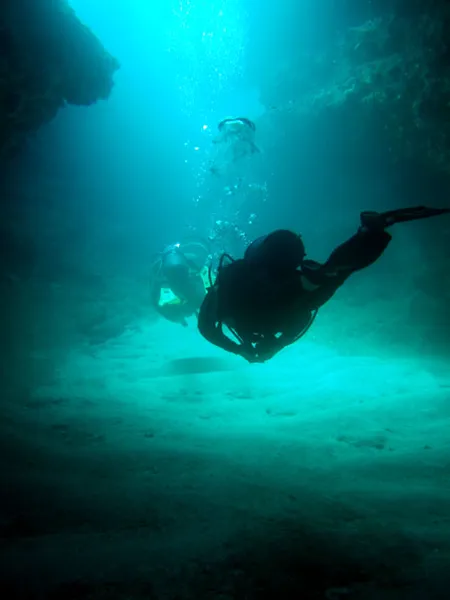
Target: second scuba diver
[270, 297]
[179, 280]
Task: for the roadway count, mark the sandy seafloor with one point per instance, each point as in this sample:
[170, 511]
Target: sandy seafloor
[157, 466]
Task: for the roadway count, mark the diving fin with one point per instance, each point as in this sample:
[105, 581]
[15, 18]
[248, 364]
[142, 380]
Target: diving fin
[402, 215]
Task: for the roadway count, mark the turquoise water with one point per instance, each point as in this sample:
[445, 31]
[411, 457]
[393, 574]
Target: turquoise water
[138, 460]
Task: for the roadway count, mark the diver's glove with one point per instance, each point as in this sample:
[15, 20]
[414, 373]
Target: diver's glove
[250, 354]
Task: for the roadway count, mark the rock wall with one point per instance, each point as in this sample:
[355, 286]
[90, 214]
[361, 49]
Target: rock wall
[48, 58]
[391, 74]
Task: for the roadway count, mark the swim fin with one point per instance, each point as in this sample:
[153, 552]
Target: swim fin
[374, 220]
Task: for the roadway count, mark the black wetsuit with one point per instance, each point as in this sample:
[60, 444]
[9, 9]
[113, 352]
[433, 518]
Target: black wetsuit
[268, 307]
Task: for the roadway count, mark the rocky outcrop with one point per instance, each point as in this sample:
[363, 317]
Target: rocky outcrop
[391, 75]
[48, 59]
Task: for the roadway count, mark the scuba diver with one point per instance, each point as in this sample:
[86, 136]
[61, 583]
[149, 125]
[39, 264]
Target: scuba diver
[268, 299]
[236, 140]
[180, 279]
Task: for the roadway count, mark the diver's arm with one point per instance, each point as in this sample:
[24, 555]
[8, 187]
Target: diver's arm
[211, 329]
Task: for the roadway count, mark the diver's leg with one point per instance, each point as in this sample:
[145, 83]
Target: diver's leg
[360, 251]
[364, 248]
[371, 240]
[321, 282]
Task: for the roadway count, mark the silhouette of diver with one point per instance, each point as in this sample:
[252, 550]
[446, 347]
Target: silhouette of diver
[270, 297]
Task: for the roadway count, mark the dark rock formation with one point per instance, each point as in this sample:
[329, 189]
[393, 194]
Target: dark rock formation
[47, 58]
[390, 75]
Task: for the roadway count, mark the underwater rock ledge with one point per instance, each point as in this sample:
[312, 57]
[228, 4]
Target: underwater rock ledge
[390, 75]
[48, 59]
